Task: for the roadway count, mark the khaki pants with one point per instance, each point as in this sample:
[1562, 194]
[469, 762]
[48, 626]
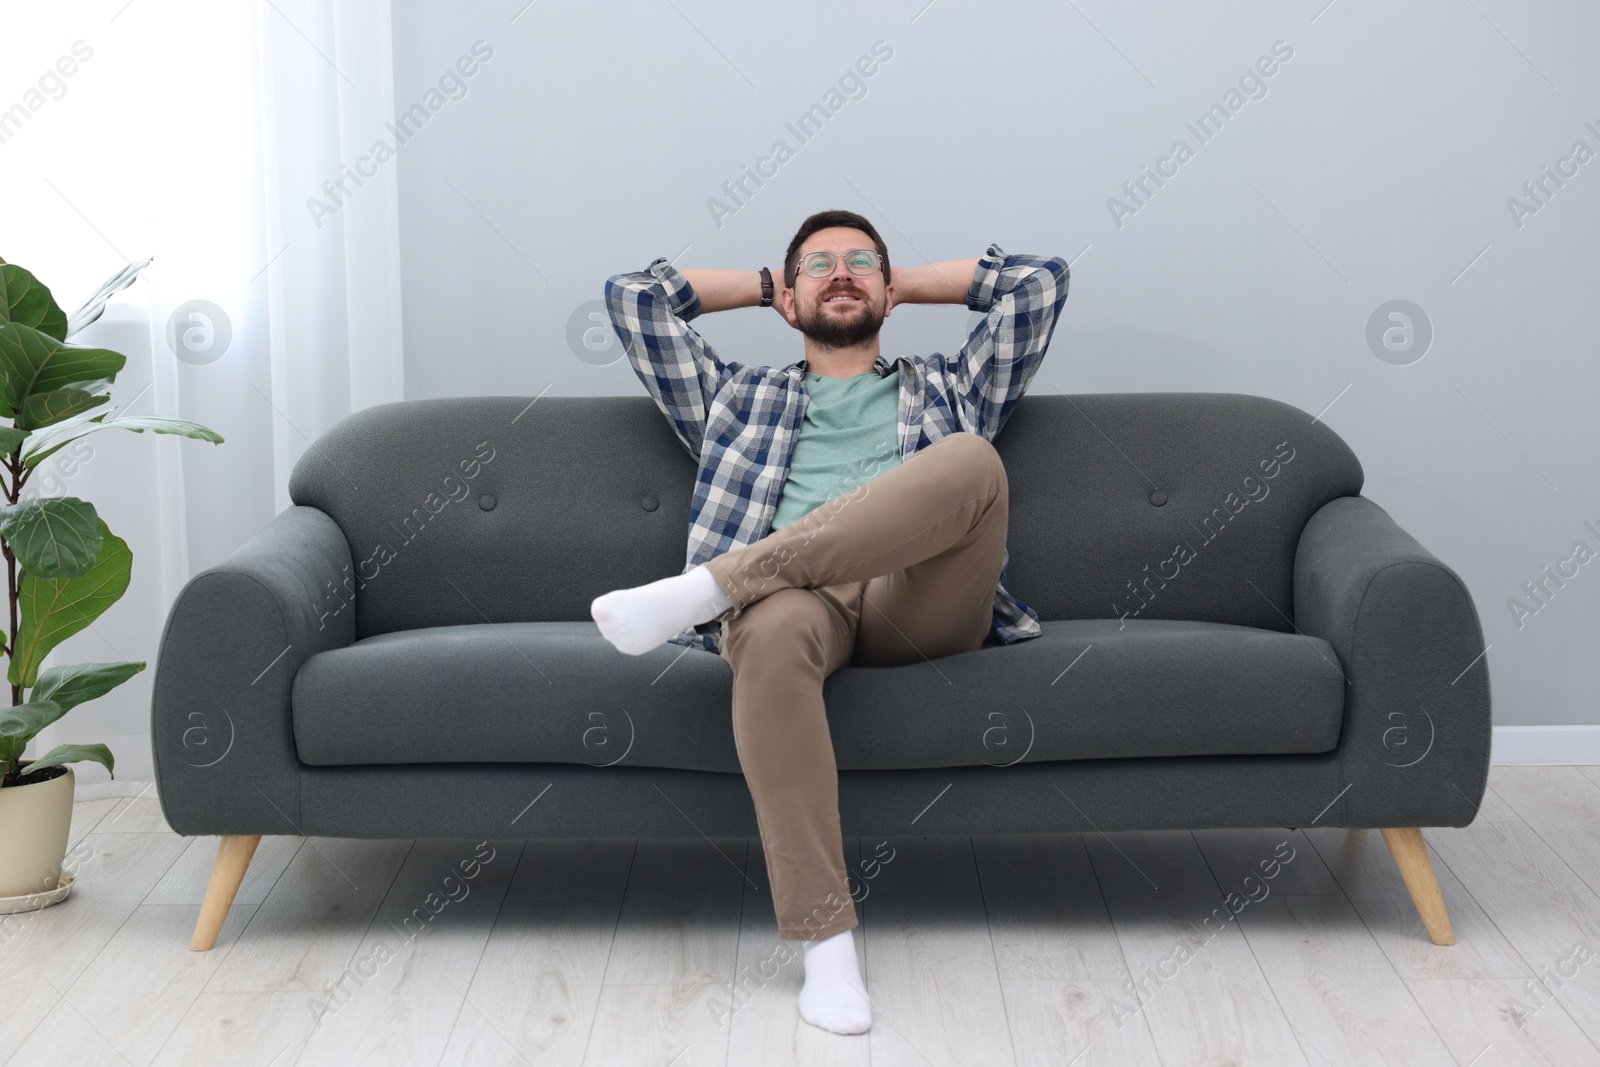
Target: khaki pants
[900, 569]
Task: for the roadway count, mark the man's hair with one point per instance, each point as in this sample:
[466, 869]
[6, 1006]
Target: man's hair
[822, 220]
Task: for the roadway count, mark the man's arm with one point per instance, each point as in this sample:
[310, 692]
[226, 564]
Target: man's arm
[722, 290]
[1022, 296]
[650, 311]
[935, 283]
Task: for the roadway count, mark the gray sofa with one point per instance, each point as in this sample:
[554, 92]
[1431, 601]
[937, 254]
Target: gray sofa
[1233, 637]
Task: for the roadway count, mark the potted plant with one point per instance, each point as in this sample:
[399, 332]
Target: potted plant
[63, 564]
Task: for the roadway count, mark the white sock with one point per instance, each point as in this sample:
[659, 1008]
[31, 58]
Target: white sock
[641, 618]
[834, 997]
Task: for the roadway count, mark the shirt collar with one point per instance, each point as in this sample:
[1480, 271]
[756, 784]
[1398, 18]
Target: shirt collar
[883, 365]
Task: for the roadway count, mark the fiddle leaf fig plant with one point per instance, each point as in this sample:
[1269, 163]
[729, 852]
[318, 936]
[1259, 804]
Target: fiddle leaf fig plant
[64, 566]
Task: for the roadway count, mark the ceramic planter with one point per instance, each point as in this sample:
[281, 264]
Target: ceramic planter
[34, 823]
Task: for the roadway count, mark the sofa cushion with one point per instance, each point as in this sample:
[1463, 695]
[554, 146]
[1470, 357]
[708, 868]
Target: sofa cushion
[464, 509]
[558, 692]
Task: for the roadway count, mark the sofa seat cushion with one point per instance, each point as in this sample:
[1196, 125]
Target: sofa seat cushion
[558, 692]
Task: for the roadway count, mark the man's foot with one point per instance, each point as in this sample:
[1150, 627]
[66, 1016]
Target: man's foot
[641, 618]
[834, 996]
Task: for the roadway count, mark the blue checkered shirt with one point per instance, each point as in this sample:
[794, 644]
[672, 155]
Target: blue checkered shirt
[739, 422]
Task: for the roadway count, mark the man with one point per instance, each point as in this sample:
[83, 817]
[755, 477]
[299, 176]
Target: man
[848, 509]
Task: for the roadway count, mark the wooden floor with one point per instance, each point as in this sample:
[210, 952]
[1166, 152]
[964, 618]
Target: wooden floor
[987, 951]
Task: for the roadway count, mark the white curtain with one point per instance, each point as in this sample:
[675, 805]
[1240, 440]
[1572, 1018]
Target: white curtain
[214, 138]
[331, 216]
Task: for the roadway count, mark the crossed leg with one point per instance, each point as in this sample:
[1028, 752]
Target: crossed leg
[944, 525]
[784, 640]
[933, 528]
[901, 568]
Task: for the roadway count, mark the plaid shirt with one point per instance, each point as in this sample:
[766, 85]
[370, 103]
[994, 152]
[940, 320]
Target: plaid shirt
[739, 422]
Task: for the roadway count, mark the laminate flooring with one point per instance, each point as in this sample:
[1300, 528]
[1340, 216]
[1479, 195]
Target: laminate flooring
[1069, 950]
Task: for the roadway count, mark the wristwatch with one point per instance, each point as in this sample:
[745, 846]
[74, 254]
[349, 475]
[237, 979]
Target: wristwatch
[766, 287]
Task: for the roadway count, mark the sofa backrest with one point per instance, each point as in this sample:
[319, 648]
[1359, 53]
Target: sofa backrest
[500, 509]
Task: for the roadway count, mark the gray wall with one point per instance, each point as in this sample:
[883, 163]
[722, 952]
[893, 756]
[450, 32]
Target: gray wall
[1376, 163]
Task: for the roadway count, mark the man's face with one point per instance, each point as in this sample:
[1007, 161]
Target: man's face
[840, 309]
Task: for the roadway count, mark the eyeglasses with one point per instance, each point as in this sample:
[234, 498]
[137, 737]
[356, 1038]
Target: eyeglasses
[857, 261]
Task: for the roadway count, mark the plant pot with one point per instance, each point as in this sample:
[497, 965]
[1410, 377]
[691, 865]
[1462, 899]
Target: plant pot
[35, 820]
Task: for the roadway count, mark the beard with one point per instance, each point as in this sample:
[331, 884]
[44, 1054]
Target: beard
[842, 328]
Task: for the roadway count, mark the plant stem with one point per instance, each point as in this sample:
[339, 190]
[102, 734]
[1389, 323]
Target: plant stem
[12, 490]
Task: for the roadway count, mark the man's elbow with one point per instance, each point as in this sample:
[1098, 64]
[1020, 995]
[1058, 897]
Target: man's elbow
[636, 280]
[629, 293]
[617, 284]
[1061, 269]
[1061, 275]
[1045, 285]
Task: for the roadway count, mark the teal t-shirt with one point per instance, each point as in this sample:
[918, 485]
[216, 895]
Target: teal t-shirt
[850, 435]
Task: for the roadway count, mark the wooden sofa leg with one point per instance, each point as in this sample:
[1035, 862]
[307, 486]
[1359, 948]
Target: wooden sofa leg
[233, 859]
[1416, 870]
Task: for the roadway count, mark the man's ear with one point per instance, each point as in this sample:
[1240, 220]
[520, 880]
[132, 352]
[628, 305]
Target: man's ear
[888, 299]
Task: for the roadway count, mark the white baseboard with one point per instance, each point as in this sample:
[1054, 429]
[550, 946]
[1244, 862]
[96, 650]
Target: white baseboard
[121, 787]
[1546, 744]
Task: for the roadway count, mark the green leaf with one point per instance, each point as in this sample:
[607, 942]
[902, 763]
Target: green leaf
[10, 438]
[71, 431]
[34, 362]
[54, 537]
[59, 689]
[92, 307]
[94, 385]
[72, 754]
[49, 435]
[81, 682]
[24, 299]
[53, 609]
[43, 409]
[47, 453]
[25, 720]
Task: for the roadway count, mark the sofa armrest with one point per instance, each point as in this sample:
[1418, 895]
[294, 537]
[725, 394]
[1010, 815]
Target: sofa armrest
[1414, 748]
[220, 728]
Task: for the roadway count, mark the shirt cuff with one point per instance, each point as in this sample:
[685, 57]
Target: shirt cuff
[985, 279]
[683, 301]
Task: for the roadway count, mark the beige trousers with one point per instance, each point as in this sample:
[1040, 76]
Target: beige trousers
[900, 569]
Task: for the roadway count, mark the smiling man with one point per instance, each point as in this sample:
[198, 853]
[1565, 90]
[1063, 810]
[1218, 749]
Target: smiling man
[848, 509]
